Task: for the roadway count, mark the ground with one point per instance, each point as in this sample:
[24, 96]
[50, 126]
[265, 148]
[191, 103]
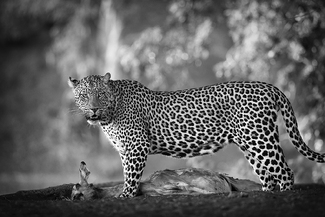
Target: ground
[305, 200]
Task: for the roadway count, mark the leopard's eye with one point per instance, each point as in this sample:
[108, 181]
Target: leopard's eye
[83, 95]
[82, 99]
[101, 95]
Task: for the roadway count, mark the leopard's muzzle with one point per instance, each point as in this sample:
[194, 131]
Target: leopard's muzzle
[93, 115]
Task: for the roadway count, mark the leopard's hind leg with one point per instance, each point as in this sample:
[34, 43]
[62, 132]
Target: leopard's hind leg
[265, 155]
[266, 178]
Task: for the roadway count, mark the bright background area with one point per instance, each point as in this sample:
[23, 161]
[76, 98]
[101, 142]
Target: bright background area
[166, 45]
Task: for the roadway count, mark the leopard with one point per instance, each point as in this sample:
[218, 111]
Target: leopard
[192, 122]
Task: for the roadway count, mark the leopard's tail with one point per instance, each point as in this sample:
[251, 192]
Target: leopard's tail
[292, 129]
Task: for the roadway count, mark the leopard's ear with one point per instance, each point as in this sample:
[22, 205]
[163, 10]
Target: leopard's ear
[73, 82]
[107, 76]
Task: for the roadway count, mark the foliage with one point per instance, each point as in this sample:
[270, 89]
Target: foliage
[21, 20]
[162, 52]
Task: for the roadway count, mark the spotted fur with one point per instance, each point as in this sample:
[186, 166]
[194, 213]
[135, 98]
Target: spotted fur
[192, 122]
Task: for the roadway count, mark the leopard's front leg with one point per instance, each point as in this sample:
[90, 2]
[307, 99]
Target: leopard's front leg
[133, 161]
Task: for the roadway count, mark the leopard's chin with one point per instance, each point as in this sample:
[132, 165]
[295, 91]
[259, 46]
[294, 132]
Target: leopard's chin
[93, 122]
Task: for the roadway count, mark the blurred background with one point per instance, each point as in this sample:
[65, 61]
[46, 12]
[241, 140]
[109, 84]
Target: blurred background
[166, 45]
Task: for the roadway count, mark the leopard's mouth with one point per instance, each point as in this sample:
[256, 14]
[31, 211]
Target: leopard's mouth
[93, 120]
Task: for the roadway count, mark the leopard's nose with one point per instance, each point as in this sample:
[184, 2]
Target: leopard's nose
[94, 110]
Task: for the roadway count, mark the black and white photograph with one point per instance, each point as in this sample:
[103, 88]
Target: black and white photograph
[162, 108]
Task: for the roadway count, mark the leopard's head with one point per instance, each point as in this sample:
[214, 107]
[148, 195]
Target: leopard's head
[94, 97]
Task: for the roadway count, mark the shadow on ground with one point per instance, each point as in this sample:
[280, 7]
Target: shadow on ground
[304, 200]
